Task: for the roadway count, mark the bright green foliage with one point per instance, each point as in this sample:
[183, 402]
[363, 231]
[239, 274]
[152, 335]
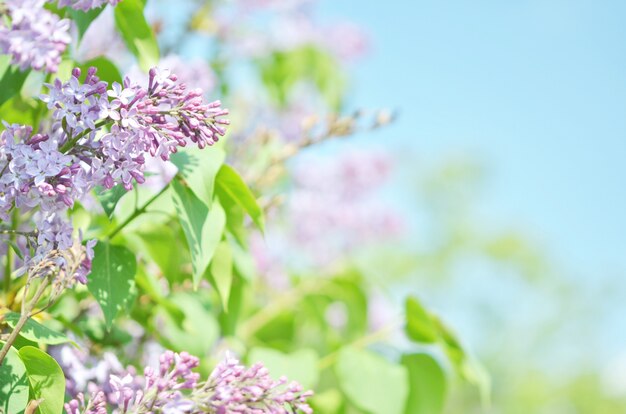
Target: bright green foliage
[231, 184]
[112, 279]
[372, 383]
[419, 325]
[47, 382]
[109, 198]
[221, 272]
[13, 384]
[427, 384]
[36, 332]
[199, 169]
[203, 227]
[137, 33]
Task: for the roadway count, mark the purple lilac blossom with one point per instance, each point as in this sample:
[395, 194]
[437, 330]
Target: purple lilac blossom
[86, 5]
[35, 37]
[173, 388]
[50, 171]
[358, 219]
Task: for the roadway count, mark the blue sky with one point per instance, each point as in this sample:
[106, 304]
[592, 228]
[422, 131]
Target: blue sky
[535, 90]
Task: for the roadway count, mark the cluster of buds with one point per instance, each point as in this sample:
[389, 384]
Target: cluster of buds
[175, 389]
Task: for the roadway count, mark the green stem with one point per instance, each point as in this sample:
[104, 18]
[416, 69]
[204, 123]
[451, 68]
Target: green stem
[284, 301]
[69, 144]
[26, 313]
[362, 342]
[8, 266]
[138, 211]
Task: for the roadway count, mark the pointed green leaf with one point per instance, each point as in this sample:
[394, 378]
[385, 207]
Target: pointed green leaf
[419, 325]
[112, 279]
[137, 33]
[203, 228]
[427, 384]
[229, 181]
[199, 168]
[371, 382]
[109, 198]
[13, 383]
[221, 272]
[46, 379]
[36, 332]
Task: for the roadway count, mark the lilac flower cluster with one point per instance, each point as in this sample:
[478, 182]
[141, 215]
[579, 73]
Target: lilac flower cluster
[85, 5]
[35, 37]
[233, 388]
[175, 389]
[99, 137]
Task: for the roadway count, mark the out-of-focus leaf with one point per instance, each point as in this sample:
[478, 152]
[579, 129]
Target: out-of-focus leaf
[301, 366]
[11, 83]
[107, 71]
[221, 272]
[109, 198]
[35, 331]
[137, 33]
[427, 384]
[419, 325]
[13, 384]
[199, 330]
[18, 110]
[282, 70]
[46, 379]
[203, 228]
[330, 401]
[372, 383]
[112, 279]
[83, 19]
[199, 168]
[229, 181]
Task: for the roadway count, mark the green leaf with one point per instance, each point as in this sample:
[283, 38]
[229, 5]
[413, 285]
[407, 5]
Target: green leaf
[221, 272]
[83, 19]
[427, 384]
[371, 382]
[112, 279]
[46, 378]
[199, 330]
[419, 325]
[137, 33]
[203, 228]
[11, 83]
[233, 185]
[110, 197]
[199, 168]
[36, 332]
[301, 366]
[107, 71]
[13, 383]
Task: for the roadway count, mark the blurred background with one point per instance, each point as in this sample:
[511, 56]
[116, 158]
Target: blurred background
[481, 171]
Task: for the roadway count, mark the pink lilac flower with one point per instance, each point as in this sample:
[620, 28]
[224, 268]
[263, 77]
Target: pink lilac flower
[35, 37]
